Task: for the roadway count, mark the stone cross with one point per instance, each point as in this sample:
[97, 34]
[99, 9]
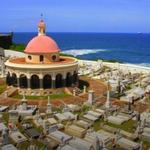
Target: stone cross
[37, 114]
[84, 89]
[49, 107]
[23, 97]
[90, 97]
[6, 94]
[108, 101]
[74, 92]
[24, 103]
[44, 126]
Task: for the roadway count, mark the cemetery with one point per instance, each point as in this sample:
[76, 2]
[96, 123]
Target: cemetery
[89, 117]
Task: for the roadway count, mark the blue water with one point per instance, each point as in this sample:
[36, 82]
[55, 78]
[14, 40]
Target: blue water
[124, 47]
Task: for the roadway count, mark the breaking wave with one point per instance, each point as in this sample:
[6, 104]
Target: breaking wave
[79, 52]
[144, 64]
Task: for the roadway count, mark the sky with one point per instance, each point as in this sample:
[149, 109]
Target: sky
[76, 15]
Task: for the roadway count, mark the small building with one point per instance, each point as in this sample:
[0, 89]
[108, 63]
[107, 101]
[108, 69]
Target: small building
[17, 137]
[80, 144]
[13, 116]
[32, 133]
[75, 130]
[59, 136]
[42, 67]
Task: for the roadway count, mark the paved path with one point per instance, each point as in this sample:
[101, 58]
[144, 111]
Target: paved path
[9, 91]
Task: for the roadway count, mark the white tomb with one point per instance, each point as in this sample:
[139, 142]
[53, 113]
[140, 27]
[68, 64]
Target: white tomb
[90, 97]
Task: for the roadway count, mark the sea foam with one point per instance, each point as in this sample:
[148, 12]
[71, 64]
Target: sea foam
[79, 52]
[144, 64]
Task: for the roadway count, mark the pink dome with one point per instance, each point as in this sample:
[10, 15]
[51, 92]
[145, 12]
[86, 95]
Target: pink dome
[42, 44]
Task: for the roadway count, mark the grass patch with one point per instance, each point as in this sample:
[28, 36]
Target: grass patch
[25, 145]
[5, 117]
[52, 96]
[17, 47]
[64, 54]
[3, 88]
[146, 144]
[85, 108]
[127, 126]
[97, 125]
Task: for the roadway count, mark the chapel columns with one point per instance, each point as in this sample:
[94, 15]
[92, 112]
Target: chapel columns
[42, 81]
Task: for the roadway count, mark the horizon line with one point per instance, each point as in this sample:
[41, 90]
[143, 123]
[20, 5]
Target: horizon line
[77, 32]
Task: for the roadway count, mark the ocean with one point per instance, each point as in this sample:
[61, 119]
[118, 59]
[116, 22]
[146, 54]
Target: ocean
[122, 47]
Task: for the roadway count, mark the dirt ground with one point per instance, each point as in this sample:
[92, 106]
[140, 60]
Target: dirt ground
[97, 86]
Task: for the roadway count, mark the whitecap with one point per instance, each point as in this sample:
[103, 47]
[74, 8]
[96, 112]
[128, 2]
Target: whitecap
[144, 64]
[79, 52]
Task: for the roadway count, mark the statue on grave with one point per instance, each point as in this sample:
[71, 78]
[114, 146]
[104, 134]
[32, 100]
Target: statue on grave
[49, 107]
[90, 97]
[23, 103]
[108, 101]
[74, 92]
[84, 89]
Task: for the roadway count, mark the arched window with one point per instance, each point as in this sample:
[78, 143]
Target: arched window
[14, 80]
[47, 81]
[29, 57]
[23, 81]
[68, 79]
[75, 77]
[35, 82]
[54, 57]
[41, 58]
[58, 81]
[8, 79]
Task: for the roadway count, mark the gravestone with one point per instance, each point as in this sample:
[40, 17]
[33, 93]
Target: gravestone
[49, 107]
[90, 97]
[5, 136]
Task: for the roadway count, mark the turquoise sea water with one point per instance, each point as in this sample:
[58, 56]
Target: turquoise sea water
[124, 47]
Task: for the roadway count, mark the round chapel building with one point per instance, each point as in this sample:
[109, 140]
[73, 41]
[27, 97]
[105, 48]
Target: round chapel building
[42, 67]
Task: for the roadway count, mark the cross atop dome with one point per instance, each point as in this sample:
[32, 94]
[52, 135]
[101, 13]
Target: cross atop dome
[41, 26]
[41, 16]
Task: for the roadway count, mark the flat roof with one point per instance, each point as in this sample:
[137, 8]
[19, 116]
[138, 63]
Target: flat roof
[32, 132]
[21, 63]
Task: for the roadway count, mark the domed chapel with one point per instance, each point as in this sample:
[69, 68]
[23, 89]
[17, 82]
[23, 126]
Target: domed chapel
[42, 67]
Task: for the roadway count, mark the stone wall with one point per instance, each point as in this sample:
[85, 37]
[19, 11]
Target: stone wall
[6, 40]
